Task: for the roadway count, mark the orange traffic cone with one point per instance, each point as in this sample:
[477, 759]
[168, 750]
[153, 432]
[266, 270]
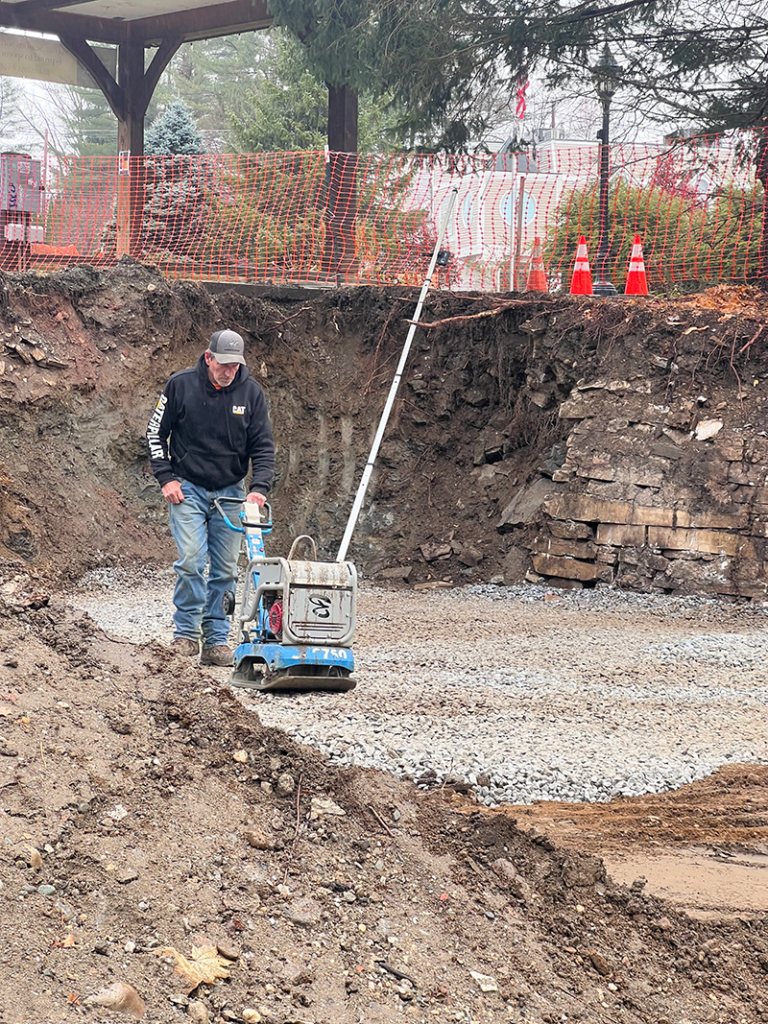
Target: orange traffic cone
[637, 282]
[581, 282]
[537, 277]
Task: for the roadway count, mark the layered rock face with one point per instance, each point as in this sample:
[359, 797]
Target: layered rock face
[651, 495]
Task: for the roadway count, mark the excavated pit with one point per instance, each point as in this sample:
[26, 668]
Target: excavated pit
[573, 441]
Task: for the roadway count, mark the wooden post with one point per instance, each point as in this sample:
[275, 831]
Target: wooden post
[339, 250]
[130, 140]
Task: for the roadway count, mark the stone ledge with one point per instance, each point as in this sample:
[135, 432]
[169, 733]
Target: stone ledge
[715, 542]
[712, 520]
[569, 568]
[544, 544]
[619, 535]
[586, 509]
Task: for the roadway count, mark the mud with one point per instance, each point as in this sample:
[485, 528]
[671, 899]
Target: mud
[704, 847]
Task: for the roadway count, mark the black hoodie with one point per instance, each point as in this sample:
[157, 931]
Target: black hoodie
[213, 431]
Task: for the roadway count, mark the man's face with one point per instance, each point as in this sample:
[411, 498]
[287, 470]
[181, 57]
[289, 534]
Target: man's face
[220, 374]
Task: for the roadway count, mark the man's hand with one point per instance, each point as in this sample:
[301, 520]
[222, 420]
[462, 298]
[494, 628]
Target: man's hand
[172, 492]
[256, 498]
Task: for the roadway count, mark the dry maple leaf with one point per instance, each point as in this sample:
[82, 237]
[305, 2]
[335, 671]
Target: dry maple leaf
[205, 966]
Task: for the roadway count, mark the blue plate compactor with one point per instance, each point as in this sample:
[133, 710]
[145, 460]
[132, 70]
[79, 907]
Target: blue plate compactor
[296, 617]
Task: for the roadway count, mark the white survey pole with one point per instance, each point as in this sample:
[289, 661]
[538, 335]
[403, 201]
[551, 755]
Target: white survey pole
[360, 496]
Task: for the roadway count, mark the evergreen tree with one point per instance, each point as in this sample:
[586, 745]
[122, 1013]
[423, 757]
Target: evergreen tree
[419, 58]
[173, 133]
[697, 66]
[177, 201]
[284, 107]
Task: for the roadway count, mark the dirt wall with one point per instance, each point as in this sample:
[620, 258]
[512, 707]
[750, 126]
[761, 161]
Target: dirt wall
[573, 440]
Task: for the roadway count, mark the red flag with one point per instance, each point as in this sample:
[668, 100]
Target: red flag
[522, 85]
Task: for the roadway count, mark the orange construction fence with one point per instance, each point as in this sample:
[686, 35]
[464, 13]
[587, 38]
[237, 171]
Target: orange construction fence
[315, 217]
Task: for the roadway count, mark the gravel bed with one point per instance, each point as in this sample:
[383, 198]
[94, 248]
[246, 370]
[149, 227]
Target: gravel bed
[524, 693]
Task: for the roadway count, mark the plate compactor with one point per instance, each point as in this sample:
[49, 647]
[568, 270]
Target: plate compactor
[296, 617]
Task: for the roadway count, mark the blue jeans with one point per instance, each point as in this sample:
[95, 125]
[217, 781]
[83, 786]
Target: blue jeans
[202, 536]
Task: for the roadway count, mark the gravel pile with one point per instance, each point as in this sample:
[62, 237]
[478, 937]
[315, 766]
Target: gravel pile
[521, 692]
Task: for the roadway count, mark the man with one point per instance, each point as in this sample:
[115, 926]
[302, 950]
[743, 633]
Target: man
[216, 418]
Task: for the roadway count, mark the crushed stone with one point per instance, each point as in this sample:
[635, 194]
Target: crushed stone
[522, 693]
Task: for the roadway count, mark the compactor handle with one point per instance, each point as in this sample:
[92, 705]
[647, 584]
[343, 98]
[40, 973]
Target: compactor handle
[264, 524]
[297, 541]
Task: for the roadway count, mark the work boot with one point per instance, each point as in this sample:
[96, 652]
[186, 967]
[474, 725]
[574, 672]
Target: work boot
[184, 646]
[220, 655]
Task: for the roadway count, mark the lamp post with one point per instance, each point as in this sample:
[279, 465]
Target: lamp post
[606, 76]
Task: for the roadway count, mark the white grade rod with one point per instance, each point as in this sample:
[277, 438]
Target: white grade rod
[360, 496]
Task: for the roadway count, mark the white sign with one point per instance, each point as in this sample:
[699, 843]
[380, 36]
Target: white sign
[47, 60]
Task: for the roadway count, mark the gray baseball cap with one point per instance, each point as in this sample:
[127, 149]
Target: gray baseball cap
[227, 347]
